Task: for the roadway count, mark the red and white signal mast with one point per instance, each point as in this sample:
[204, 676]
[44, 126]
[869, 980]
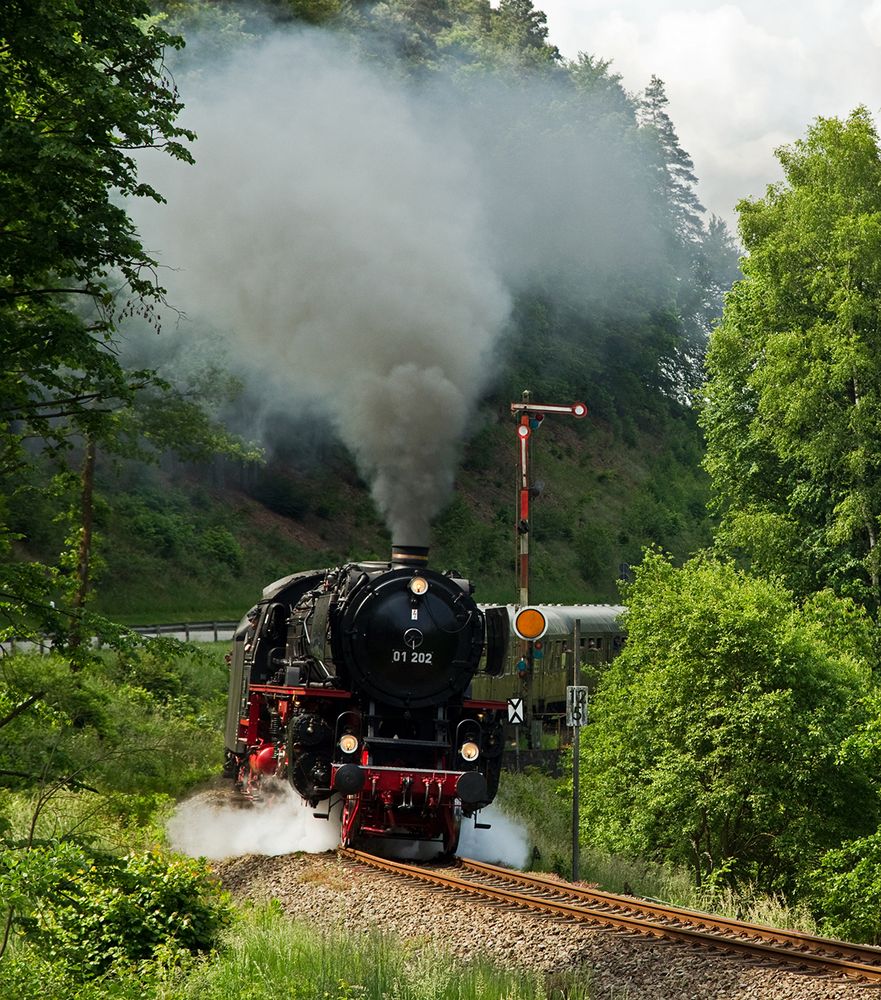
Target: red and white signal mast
[531, 416]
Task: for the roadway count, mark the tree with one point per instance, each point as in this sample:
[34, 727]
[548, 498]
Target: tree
[703, 257]
[413, 26]
[793, 399]
[166, 417]
[715, 736]
[674, 168]
[83, 89]
[522, 30]
[122, 735]
[719, 267]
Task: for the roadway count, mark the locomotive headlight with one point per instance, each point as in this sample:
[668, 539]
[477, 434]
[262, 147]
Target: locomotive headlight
[470, 751]
[418, 585]
[349, 743]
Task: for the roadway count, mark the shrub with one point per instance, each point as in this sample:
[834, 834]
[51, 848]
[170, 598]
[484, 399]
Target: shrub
[847, 888]
[716, 737]
[218, 545]
[165, 534]
[90, 911]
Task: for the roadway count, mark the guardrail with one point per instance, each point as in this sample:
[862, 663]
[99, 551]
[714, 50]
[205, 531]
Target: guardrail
[220, 630]
[216, 631]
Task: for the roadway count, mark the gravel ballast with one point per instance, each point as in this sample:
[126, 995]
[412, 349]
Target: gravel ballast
[329, 891]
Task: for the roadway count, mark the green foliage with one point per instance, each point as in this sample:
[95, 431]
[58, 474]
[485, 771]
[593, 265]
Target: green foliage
[64, 233]
[311, 11]
[83, 88]
[91, 911]
[191, 683]
[542, 805]
[25, 974]
[280, 493]
[716, 736]
[792, 414]
[519, 30]
[139, 723]
[179, 415]
[171, 527]
[96, 755]
[846, 889]
[221, 547]
[462, 541]
[625, 360]
[536, 801]
[299, 961]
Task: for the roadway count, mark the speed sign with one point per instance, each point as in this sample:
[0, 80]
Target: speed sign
[576, 705]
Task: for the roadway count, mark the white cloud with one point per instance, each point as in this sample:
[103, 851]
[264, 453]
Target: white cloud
[871, 18]
[742, 77]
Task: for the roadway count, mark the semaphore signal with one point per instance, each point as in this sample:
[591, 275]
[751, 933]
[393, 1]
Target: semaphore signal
[531, 417]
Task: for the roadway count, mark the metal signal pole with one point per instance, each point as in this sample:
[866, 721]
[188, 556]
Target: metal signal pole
[576, 710]
[531, 416]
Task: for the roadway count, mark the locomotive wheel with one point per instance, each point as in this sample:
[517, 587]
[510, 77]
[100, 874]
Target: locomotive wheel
[452, 829]
[310, 773]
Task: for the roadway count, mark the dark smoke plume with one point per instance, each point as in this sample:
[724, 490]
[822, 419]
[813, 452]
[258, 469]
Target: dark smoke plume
[357, 241]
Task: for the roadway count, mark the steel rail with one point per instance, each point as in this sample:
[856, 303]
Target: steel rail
[786, 938]
[690, 927]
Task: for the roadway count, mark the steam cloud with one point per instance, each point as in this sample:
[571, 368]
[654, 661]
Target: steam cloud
[506, 843]
[214, 826]
[358, 242]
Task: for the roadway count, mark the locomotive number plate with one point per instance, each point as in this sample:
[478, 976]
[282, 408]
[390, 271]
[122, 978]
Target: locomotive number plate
[410, 656]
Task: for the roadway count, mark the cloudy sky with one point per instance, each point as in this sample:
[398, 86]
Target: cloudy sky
[742, 78]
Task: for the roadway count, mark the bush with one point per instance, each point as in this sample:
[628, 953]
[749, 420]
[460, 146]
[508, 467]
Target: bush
[89, 911]
[163, 534]
[847, 887]
[25, 974]
[218, 545]
[535, 799]
[716, 737]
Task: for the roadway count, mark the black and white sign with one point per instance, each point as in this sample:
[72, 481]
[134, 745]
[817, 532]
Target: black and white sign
[515, 710]
[576, 705]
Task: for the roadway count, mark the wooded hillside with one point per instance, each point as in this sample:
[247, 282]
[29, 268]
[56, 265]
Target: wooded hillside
[613, 277]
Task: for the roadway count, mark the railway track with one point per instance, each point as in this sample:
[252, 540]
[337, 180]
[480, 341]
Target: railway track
[602, 909]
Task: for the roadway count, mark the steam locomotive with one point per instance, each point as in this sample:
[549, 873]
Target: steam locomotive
[354, 684]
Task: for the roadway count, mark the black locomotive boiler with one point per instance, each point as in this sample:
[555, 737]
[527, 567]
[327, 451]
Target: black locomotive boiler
[354, 684]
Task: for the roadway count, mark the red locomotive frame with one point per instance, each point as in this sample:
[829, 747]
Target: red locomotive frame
[395, 800]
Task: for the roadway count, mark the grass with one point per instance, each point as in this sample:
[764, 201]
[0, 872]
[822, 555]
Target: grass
[113, 822]
[268, 954]
[532, 798]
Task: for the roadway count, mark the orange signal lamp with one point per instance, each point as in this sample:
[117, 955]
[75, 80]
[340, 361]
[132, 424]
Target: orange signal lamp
[530, 623]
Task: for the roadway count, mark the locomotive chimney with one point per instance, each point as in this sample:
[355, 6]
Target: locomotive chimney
[409, 555]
